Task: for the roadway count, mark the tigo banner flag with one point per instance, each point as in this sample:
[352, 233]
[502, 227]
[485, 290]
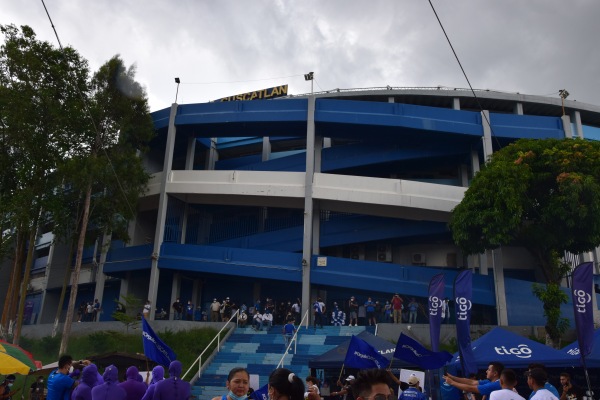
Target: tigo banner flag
[436, 296]
[463, 294]
[583, 306]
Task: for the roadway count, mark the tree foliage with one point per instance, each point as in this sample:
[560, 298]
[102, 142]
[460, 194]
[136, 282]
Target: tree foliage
[540, 194]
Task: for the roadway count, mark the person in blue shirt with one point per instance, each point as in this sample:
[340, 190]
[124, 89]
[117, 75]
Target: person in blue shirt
[483, 387]
[370, 309]
[288, 332]
[412, 393]
[60, 385]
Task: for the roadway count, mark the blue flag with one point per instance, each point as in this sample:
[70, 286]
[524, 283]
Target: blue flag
[463, 294]
[411, 351]
[361, 354]
[154, 348]
[436, 296]
[260, 394]
[582, 305]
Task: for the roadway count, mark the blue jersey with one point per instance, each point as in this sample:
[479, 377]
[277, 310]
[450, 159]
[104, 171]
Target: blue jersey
[412, 394]
[59, 386]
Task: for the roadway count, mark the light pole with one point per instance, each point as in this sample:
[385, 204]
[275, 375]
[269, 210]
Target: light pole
[310, 77]
[177, 81]
[563, 95]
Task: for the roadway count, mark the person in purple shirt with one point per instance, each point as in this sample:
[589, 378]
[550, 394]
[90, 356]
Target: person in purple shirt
[134, 385]
[158, 374]
[89, 379]
[172, 388]
[110, 389]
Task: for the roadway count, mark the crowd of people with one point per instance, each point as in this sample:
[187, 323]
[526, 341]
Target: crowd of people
[88, 311]
[260, 314]
[501, 384]
[81, 380]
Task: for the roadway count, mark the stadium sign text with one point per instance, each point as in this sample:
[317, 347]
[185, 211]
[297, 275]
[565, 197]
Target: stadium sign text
[277, 91]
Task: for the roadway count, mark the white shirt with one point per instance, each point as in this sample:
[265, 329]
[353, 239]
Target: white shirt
[505, 394]
[267, 317]
[544, 394]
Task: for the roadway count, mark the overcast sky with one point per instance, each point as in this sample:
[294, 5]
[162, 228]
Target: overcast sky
[221, 47]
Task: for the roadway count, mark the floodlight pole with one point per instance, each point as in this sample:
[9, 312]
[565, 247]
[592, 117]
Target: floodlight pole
[177, 81]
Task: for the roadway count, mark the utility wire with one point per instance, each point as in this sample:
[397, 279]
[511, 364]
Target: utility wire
[465, 74]
[244, 81]
[89, 115]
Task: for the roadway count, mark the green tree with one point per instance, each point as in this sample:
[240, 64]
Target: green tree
[543, 195]
[106, 168]
[127, 311]
[40, 116]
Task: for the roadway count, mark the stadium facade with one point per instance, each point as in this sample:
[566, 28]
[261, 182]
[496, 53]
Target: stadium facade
[326, 195]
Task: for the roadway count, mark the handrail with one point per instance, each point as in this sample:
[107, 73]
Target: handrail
[294, 340]
[218, 339]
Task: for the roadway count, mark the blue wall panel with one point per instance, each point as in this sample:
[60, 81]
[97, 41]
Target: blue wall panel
[515, 126]
[519, 296]
[399, 115]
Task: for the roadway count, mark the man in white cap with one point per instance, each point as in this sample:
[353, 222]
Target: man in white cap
[346, 390]
[412, 393]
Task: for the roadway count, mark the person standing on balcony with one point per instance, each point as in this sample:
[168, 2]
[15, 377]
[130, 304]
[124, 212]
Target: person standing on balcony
[146, 310]
[189, 311]
[215, 308]
[177, 309]
[318, 310]
[353, 307]
[413, 307]
[397, 308]
[370, 309]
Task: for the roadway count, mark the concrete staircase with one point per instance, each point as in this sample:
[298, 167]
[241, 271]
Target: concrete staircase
[261, 351]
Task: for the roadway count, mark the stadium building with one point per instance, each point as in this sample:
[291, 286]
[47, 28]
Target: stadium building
[339, 193]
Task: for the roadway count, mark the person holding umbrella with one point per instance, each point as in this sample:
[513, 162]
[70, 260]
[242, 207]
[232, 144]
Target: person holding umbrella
[5, 388]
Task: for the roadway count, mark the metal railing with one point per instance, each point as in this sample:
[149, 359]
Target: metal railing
[294, 340]
[218, 339]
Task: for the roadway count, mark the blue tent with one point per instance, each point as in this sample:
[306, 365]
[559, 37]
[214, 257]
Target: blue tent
[571, 353]
[512, 350]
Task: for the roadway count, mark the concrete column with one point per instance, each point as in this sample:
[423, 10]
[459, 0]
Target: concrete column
[318, 150]
[483, 263]
[475, 161]
[213, 155]
[175, 287]
[456, 103]
[576, 118]
[518, 109]
[163, 200]
[488, 149]
[308, 204]
[195, 292]
[190, 154]
[100, 277]
[316, 228]
[186, 213]
[498, 267]
[124, 288]
[566, 121]
[266, 149]
[464, 175]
